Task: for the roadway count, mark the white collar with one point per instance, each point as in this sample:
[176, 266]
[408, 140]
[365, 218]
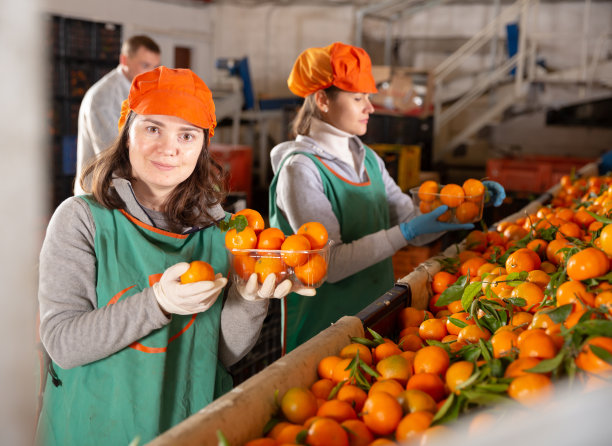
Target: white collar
[332, 140]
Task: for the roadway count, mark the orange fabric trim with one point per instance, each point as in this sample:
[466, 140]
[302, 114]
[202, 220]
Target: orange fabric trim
[367, 183]
[153, 278]
[151, 228]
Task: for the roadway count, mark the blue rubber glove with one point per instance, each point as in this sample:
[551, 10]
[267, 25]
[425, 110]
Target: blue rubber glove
[494, 194]
[428, 223]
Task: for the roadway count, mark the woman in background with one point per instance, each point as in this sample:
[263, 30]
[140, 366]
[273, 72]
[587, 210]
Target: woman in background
[328, 175]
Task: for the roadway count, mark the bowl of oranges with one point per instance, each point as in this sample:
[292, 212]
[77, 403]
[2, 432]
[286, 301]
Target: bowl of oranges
[301, 257]
[465, 202]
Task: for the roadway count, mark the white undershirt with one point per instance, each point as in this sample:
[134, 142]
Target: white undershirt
[333, 140]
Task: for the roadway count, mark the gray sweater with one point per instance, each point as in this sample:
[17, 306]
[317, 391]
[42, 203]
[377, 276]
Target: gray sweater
[75, 332]
[301, 198]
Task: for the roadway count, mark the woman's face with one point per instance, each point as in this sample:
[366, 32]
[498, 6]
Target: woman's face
[163, 151]
[349, 112]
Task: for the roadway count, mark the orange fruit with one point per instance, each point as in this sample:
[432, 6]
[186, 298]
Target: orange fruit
[321, 388]
[537, 345]
[523, 259]
[605, 239]
[381, 413]
[474, 190]
[312, 271]
[504, 342]
[340, 372]
[429, 383]
[519, 366]
[289, 434]
[244, 266]
[410, 342]
[476, 241]
[337, 410]
[471, 266]
[293, 250]
[462, 316]
[326, 432]
[442, 280]
[603, 301]
[353, 395]
[350, 351]
[539, 277]
[552, 250]
[298, 404]
[245, 239]
[589, 361]
[433, 329]
[574, 292]
[415, 400]
[316, 234]
[530, 389]
[198, 270]
[264, 266]
[587, 264]
[270, 238]
[390, 386]
[395, 367]
[385, 350]
[457, 374]
[428, 191]
[358, 432]
[325, 367]
[470, 334]
[467, 211]
[254, 219]
[431, 359]
[410, 317]
[452, 195]
[531, 293]
[413, 425]
[538, 246]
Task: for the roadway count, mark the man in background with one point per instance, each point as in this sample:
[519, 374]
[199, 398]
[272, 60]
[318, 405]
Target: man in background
[101, 105]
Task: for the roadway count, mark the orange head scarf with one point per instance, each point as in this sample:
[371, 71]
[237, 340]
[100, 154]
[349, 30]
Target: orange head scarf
[344, 66]
[173, 92]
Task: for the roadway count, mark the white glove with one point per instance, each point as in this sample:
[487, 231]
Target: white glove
[250, 290]
[190, 298]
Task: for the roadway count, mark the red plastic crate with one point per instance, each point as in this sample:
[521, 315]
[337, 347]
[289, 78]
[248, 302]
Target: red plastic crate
[237, 160]
[532, 173]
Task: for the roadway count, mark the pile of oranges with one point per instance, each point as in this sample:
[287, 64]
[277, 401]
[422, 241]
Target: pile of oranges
[264, 251]
[523, 307]
[465, 202]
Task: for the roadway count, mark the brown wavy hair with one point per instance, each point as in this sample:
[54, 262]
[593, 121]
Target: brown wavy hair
[309, 110]
[188, 203]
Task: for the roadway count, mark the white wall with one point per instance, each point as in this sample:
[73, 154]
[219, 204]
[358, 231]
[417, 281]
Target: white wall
[24, 155]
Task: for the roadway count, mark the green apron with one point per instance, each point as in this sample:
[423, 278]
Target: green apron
[161, 379]
[361, 209]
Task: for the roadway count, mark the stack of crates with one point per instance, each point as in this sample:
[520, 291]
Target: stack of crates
[403, 162]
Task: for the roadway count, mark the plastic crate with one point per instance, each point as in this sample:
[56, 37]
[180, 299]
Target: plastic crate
[533, 173]
[237, 160]
[402, 161]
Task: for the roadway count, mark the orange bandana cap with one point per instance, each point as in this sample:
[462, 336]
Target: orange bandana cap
[344, 66]
[172, 92]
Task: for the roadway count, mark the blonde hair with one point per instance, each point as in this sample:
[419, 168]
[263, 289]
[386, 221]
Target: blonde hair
[309, 110]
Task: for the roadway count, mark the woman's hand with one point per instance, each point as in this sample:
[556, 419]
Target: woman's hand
[191, 298]
[495, 193]
[253, 292]
[428, 223]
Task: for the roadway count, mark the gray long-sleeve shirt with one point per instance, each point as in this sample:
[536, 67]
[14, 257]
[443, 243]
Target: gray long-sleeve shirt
[74, 331]
[301, 198]
[98, 117]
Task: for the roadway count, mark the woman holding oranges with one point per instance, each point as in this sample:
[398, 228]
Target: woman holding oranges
[135, 350]
[327, 175]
